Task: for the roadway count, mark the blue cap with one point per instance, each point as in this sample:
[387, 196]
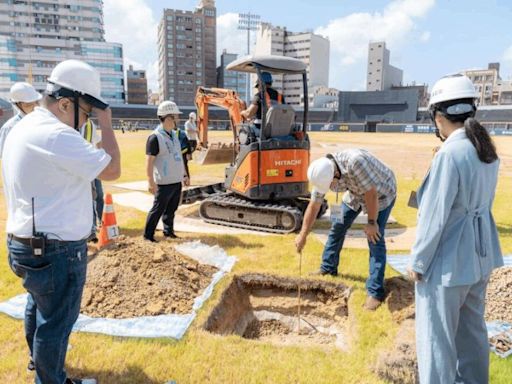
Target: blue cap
[266, 77]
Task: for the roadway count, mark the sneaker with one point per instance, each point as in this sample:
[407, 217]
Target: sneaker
[31, 366]
[151, 239]
[372, 303]
[171, 235]
[80, 381]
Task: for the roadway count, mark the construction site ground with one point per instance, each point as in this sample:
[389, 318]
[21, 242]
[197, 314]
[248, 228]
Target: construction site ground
[377, 346]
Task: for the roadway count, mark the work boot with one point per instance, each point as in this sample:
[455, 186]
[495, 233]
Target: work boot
[321, 272]
[372, 303]
[171, 235]
[150, 239]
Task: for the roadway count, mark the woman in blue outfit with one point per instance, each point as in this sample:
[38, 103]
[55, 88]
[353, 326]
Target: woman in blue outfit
[457, 245]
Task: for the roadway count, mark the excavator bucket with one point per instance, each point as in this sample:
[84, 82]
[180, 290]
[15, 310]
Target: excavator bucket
[219, 153]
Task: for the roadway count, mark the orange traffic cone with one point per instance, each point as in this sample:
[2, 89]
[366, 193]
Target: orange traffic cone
[109, 229]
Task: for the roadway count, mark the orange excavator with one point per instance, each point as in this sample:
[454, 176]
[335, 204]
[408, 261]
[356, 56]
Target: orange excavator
[225, 98]
[266, 185]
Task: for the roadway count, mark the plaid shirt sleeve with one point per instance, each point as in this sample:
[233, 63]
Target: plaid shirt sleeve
[316, 196]
[364, 175]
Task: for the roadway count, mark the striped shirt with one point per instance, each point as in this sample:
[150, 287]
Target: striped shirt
[360, 171]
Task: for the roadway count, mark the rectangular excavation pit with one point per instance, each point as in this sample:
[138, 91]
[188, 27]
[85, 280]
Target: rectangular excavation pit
[265, 308]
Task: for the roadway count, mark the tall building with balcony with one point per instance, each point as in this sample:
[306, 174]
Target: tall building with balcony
[187, 52]
[486, 83]
[136, 86]
[231, 79]
[36, 35]
[313, 49]
[381, 75]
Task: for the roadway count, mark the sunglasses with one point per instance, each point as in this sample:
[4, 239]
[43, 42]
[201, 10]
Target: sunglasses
[87, 113]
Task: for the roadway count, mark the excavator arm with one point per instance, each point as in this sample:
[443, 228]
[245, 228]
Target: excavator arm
[223, 98]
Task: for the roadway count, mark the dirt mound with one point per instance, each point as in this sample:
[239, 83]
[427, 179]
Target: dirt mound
[135, 278]
[499, 296]
[400, 298]
[399, 365]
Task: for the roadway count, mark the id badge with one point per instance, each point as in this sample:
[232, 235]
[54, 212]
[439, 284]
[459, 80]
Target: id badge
[177, 156]
[336, 214]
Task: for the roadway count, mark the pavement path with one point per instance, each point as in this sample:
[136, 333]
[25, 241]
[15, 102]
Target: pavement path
[396, 239]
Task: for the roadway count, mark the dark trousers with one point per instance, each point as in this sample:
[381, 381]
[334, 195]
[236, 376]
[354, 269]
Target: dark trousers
[193, 145]
[185, 163]
[167, 199]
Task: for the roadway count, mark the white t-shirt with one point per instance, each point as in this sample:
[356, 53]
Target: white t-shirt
[49, 161]
[191, 130]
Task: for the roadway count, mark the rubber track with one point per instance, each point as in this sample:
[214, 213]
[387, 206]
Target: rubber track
[224, 199]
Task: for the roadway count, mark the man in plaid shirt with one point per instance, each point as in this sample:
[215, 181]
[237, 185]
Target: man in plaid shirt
[369, 186]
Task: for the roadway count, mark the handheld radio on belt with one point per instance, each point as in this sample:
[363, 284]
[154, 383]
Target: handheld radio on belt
[37, 240]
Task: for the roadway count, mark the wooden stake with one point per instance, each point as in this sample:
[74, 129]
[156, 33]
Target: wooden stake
[298, 296]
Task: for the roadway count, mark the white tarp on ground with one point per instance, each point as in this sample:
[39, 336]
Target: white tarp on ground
[400, 262]
[173, 326]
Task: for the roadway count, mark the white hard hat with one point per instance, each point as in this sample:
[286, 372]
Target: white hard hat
[192, 115]
[77, 76]
[321, 174]
[167, 108]
[24, 93]
[452, 87]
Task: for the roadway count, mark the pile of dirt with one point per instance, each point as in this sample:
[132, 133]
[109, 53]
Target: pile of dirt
[133, 278]
[399, 365]
[499, 294]
[400, 298]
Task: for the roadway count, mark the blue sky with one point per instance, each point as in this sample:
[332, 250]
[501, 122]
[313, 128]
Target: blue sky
[427, 38]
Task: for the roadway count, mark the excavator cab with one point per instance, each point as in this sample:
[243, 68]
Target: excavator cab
[272, 164]
[266, 184]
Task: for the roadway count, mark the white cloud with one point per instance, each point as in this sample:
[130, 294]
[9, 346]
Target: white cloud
[506, 64]
[507, 56]
[132, 23]
[425, 36]
[350, 35]
[229, 37]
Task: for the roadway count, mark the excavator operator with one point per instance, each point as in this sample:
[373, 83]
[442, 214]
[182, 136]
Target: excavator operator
[272, 97]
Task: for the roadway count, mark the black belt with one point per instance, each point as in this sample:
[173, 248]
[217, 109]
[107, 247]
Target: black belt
[26, 240]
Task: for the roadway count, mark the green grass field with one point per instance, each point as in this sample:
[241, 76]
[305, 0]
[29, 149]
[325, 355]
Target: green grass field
[201, 357]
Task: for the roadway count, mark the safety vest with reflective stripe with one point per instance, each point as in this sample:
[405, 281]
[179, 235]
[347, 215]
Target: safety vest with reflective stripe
[88, 131]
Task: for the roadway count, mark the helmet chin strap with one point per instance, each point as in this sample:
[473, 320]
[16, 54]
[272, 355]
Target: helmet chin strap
[438, 134]
[75, 100]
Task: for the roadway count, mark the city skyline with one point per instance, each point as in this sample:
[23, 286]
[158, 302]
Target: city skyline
[426, 39]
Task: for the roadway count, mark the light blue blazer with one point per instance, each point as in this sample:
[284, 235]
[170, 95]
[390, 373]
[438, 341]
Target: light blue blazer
[455, 224]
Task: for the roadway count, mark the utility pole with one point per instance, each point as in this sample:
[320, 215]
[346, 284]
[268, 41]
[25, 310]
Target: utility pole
[248, 22]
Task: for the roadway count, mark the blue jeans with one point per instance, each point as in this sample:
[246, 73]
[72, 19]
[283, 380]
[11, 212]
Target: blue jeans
[54, 283]
[334, 244]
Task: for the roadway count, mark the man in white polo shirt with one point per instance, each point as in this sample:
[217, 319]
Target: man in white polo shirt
[24, 99]
[47, 172]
